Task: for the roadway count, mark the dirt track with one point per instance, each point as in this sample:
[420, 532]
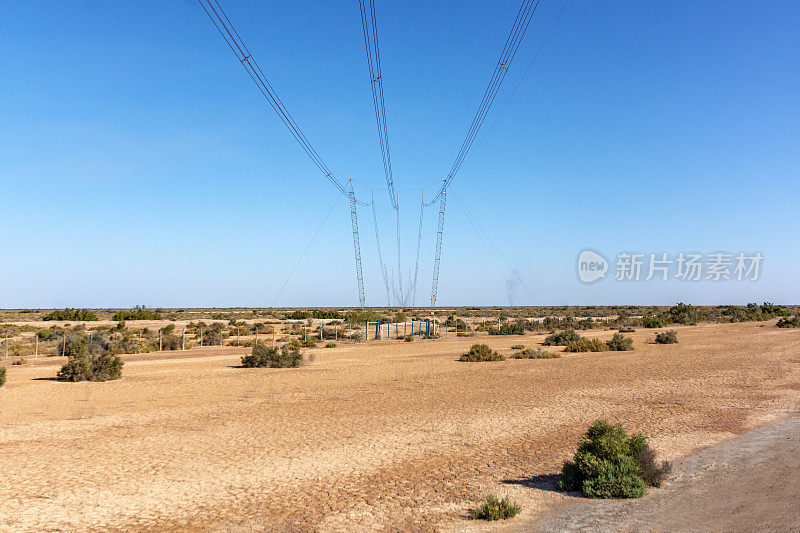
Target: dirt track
[390, 435]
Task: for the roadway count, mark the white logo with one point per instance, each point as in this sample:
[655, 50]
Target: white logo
[591, 266]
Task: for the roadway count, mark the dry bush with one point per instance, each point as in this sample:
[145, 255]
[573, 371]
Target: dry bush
[667, 337]
[562, 338]
[288, 356]
[586, 345]
[538, 353]
[480, 353]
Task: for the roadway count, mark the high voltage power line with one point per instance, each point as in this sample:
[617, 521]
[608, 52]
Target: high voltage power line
[372, 51]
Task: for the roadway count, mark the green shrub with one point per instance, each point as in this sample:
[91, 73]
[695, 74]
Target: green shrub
[667, 337]
[587, 345]
[652, 322]
[85, 367]
[787, 322]
[19, 362]
[626, 330]
[494, 509]
[610, 464]
[409, 338]
[479, 353]
[137, 313]
[518, 347]
[562, 338]
[331, 345]
[70, 314]
[620, 343]
[2, 376]
[263, 357]
[45, 334]
[538, 353]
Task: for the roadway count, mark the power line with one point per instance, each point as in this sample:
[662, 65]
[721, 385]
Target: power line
[520, 26]
[372, 50]
[527, 69]
[308, 246]
[226, 29]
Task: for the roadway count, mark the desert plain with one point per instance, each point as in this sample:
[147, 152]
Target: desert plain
[379, 435]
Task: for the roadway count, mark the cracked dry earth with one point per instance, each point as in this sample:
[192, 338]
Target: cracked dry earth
[375, 436]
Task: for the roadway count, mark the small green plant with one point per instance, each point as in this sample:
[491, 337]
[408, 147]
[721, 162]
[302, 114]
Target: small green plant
[288, 356]
[2, 376]
[652, 322]
[331, 345]
[620, 343]
[587, 345]
[667, 337]
[409, 338]
[19, 362]
[611, 464]
[538, 353]
[518, 347]
[562, 338]
[626, 330]
[480, 353]
[494, 509]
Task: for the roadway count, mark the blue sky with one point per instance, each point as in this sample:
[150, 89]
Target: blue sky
[139, 164]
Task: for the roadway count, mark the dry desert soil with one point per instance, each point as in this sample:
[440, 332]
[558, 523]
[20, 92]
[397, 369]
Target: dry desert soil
[383, 435]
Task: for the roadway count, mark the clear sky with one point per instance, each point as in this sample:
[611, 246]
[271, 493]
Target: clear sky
[139, 164]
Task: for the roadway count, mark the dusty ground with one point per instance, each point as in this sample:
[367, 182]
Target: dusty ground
[388, 435]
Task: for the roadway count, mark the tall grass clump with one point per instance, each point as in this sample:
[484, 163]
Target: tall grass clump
[611, 464]
[494, 509]
[562, 338]
[479, 353]
[2, 376]
[264, 357]
[667, 337]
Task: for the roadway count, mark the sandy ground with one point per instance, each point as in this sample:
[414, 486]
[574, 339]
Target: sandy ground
[751, 483]
[387, 435]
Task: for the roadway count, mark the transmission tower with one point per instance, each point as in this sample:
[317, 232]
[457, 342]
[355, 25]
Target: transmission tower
[356, 243]
[438, 255]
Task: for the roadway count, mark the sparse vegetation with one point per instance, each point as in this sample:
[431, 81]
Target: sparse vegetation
[789, 322]
[2, 376]
[331, 345]
[409, 338]
[70, 314]
[518, 347]
[667, 337]
[586, 345]
[562, 338]
[626, 330]
[494, 509]
[538, 353]
[137, 313]
[480, 353]
[263, 357]
[611, 464]
[620, 343]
